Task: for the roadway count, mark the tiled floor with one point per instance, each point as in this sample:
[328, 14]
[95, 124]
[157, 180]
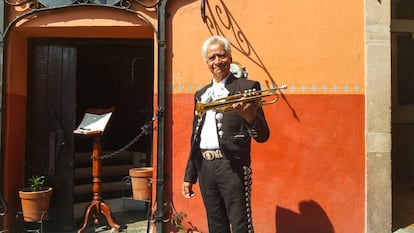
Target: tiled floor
[131, 222]
[129, 214]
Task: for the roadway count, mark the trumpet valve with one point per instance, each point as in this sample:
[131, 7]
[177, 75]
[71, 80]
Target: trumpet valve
[250, 92]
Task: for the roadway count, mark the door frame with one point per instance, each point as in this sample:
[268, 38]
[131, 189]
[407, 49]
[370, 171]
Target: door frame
[14, 80]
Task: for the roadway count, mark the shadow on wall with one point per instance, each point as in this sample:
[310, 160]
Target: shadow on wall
[310, 219]
[219, 20]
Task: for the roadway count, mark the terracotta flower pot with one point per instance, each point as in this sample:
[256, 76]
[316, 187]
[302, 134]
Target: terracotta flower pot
[141, 181]
[35, 205]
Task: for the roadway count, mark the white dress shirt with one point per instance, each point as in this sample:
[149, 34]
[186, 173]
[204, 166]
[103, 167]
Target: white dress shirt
[208, 137]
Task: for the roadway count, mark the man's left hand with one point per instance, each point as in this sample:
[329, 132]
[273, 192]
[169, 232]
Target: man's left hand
[247, 110]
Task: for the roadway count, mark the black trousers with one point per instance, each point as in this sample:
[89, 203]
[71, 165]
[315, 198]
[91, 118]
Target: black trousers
[225, 187]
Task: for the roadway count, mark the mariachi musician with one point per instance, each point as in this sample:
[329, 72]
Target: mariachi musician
[220, 144]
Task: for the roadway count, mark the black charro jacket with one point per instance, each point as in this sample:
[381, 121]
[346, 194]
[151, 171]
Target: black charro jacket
[236, 140]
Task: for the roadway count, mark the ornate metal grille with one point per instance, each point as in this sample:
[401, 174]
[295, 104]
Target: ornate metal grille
[35, 4]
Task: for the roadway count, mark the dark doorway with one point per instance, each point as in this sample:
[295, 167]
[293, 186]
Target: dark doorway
[402, 47]
[67, 77]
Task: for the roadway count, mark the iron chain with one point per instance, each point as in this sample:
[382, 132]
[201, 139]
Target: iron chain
[144, 131]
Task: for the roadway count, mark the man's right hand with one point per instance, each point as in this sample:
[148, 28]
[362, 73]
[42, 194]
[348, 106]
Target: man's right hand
[187, 190]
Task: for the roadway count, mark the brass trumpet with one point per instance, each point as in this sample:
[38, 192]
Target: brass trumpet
[226, 104]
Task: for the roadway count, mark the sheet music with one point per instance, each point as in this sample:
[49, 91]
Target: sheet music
[93, 123]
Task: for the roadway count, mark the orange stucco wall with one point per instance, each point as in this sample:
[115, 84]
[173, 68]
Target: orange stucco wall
[311, 172]
[310, 175]
[313, 46]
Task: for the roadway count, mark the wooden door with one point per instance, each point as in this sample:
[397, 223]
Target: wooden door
[50, 121]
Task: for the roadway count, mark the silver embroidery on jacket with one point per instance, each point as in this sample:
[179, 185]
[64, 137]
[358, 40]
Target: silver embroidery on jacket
[247, 171]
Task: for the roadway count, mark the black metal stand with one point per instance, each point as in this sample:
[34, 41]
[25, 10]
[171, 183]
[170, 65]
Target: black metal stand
[32, 227]
[126, 184]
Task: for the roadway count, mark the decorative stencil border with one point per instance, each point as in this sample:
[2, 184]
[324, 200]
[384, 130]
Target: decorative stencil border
[291, 88]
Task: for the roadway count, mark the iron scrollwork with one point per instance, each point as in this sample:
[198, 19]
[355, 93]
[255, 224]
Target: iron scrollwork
[37, 6]
[33, 4]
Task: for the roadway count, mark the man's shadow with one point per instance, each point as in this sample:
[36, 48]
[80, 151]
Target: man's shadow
[310, 219]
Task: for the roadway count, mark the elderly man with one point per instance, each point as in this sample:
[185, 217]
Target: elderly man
[220, 146]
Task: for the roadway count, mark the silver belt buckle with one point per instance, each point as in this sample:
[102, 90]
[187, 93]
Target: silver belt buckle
[212, 154]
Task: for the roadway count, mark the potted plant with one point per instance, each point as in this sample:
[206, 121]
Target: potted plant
[35, 199]
[177, 220]
[181, 225]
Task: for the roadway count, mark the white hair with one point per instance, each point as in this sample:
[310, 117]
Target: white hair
[213, 40]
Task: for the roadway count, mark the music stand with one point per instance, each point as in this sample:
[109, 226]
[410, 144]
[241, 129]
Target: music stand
[93, 125]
